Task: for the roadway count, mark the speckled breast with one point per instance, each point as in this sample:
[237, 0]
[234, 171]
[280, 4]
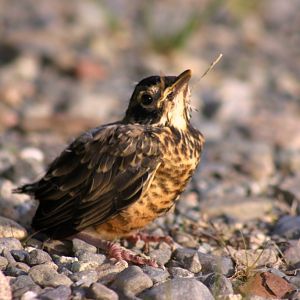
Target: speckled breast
[182, 152]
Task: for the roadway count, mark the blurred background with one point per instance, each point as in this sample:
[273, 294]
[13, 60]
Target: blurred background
[66, 66]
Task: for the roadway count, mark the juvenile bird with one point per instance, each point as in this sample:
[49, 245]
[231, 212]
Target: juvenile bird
[114, 179]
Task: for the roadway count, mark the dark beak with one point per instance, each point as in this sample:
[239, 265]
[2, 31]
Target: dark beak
[181, 81]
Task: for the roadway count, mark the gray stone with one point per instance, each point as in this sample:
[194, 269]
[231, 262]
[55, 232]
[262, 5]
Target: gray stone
[85, 278]
[46, 275]
[178, 289]
[156, 274]
[132, 281]
[180, 272]
[22, 284]
[91, 257]
[11, 229]
[79, 245]
[59, 293]
[19, 255]
[17, 269]
[218, 284]
[99, 291]
[64, 261]
[7, 161]
[79, 266]
[161, 255]
[185, 239]
[3, 263]
[108, 271]
[10, 244]
[37, 257]
[5, 290]
[288, 227]
[210, 263]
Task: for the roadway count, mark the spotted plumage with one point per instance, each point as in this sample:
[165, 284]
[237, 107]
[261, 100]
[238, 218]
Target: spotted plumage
[115, 179]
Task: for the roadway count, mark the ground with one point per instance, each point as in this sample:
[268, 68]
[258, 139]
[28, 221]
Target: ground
[69, 66]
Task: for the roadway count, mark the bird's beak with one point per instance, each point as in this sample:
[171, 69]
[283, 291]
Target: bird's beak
[182, 81]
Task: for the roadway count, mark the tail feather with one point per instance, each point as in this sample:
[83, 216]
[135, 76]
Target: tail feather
[26, 189]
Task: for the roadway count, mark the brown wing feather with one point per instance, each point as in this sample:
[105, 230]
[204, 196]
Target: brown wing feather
[98, 175]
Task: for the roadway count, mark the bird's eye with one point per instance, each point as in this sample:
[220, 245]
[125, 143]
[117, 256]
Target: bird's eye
[146, 99]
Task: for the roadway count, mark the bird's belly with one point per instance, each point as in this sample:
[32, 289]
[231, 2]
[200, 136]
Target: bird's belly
[168, 183]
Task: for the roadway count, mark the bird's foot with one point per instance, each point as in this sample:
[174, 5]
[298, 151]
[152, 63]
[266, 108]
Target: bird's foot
[118, 252]
[142, 236]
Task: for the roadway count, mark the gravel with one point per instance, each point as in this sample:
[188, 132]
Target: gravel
[240, 212]
[177, 289]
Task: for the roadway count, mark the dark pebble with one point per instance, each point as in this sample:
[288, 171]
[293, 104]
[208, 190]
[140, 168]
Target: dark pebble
[22, 284]
[288, 227]
[59, 293]
[19, 255]
[38, 257]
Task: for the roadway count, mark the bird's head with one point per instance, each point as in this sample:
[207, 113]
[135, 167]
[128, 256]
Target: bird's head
[161, 101]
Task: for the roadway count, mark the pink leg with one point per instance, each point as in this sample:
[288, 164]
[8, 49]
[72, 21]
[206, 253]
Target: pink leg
[116, 251]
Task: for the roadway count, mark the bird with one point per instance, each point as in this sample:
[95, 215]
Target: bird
[114, 179]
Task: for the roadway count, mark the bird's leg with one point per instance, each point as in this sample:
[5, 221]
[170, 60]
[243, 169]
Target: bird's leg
[116, 251]
[150, 238]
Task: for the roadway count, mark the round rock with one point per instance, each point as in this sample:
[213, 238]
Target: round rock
[46, 275]
[11, 229]
[178, 289]
[132, 281]
[10, 244]
[99, 291]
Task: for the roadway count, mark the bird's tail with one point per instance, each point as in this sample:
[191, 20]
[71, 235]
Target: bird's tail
[26, 189]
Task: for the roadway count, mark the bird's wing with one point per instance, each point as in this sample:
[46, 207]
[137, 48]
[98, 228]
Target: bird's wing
[98, 175]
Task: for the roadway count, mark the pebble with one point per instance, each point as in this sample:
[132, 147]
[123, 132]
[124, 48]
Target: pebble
[17, 269]
[3, 263]
[22, 284]
[156, 274]
[255, 258]
[64, 261]
[7, 161]
[178, 289]
[292, 253]
[85, 278]
[180, 272]
[59, 293]
[161, 255]
[209, 263]
[80, 246]
[109, 271]
[132, 281]
[20, 255]
[10, 244]
[288, 227]
[45, 275]
[79, 266]
[99, 291]
[218, 284]
[11, 229]
[85, 256]
[37, 257]
[5, 290]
